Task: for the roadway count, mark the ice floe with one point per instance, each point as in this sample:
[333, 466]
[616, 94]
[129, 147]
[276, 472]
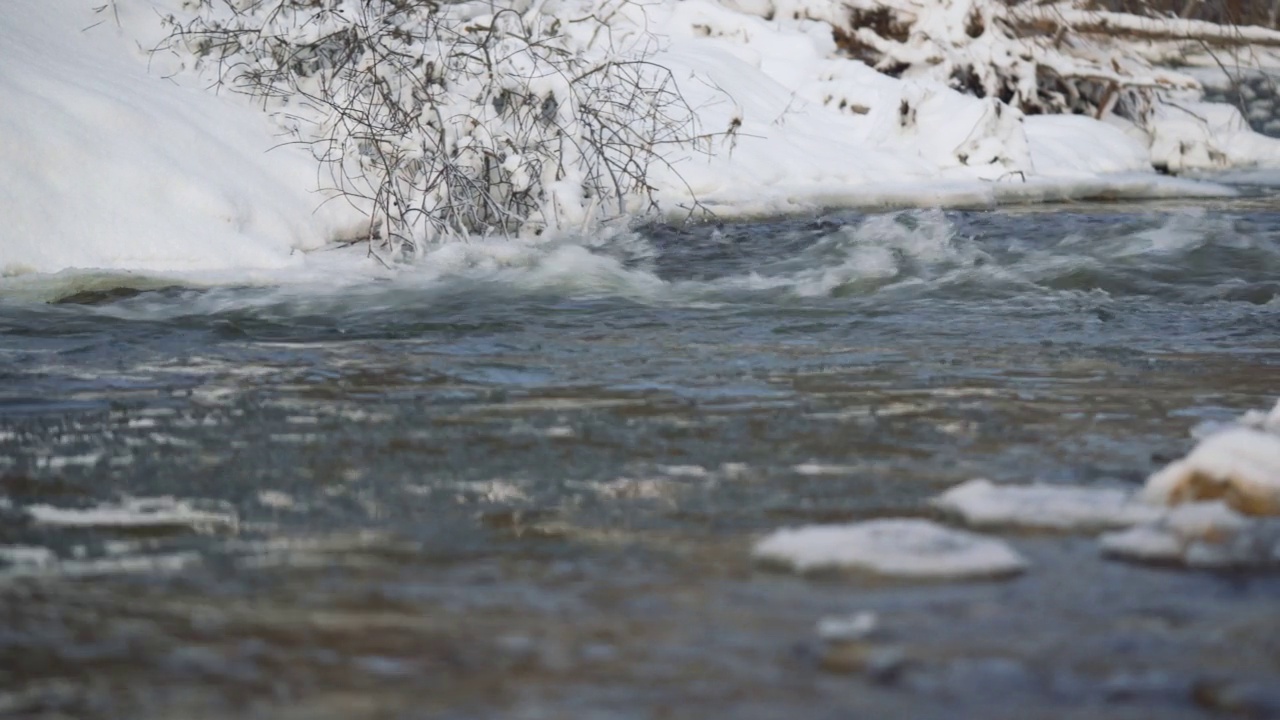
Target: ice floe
[1200, 534]
[1217, 507]
[981, 503]
[908, 547]
[846, 628]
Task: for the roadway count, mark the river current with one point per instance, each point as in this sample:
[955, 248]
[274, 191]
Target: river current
[523, 480]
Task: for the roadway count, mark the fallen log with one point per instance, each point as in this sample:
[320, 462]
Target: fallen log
[1049, 19]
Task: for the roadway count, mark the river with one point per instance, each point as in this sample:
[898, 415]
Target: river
[523, 480]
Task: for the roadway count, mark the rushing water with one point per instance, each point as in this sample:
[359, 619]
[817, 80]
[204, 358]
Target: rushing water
[523, 481]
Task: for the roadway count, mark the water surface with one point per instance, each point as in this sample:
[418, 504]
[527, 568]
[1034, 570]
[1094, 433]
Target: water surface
[524, 480]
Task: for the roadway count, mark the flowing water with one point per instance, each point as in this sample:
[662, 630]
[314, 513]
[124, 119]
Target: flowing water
[523, 481]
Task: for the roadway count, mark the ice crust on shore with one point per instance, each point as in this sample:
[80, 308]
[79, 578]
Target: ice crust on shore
[908, 548]
[109, 166]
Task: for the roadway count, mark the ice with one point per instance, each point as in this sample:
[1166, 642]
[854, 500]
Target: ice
[819, 469]
[1240, 465]
[136, 512]
[981, 503]
[1200, 534]
[909, 548]
[845, 628]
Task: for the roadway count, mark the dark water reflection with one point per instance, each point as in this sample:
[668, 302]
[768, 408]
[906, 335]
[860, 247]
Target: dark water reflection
[525, 483]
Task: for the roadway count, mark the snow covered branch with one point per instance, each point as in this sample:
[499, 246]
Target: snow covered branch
[1052, 19]
[457, 119]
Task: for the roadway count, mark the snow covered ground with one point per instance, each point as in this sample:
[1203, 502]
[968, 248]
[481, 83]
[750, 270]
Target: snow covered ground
[103, 165]
[107, 163]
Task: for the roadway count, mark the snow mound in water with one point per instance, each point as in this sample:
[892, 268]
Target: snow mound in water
[983, 504]
[1219, 495]
[104, 166]
[1201, 534]
[903, 548]
[1240, 465]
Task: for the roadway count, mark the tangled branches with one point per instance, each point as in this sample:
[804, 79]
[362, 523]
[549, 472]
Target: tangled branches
[450, 120]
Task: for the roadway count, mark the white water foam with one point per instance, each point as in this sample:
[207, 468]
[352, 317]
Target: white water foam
[137, 512]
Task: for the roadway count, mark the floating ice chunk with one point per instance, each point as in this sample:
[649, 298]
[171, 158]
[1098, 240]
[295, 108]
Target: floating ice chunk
[983, 504]
[898, 547]
[847, 628]
[1202, 534]
[1240, 465]
[689, 471]
[815, 469]
[135, 512]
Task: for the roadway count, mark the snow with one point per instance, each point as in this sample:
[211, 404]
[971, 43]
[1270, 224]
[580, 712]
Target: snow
[1217, 504]
[910, 548]
[981, 503]
[1190, 135]
[105, 166]
[108, 164]
[1200, 534]
[1240, 465]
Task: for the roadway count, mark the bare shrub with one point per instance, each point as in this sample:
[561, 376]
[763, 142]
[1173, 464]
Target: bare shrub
[451, 119]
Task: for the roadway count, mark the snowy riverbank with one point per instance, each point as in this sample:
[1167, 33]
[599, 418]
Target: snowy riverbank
[107, 161]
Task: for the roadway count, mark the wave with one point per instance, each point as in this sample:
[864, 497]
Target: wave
[1189, 256]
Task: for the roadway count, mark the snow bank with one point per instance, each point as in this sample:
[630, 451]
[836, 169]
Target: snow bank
[903, 548]
[1187, 135]
[105, 166]
[983, 504]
